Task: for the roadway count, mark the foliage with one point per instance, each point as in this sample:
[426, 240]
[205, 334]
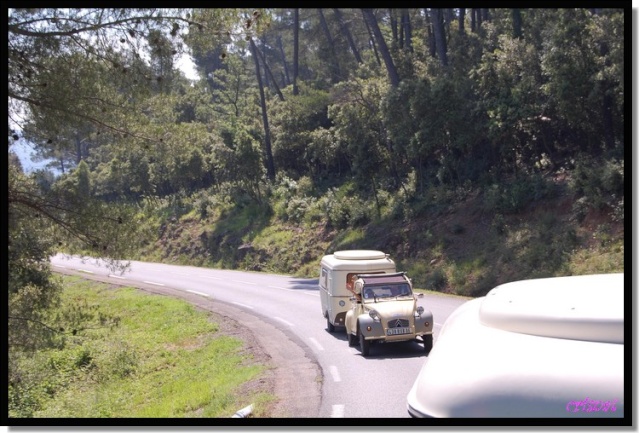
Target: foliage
[292, 122]
[513, 196]
[600, 185]
[120, 372]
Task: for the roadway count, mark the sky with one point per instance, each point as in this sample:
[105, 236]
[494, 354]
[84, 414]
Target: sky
[185, 63]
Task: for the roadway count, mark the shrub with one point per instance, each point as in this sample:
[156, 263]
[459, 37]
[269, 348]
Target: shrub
[436, 280]
[598, 184]
[514, 196]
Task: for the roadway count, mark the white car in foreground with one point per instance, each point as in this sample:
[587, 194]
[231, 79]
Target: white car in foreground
[544, 348]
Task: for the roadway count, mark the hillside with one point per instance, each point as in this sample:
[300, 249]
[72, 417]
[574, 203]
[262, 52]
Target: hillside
[463, 244]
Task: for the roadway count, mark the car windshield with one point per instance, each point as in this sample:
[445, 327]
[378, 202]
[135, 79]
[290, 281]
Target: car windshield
[386, 291]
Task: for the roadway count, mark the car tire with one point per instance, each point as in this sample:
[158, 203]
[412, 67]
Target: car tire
[364, 345]
[329, 325]
[428, 343]
[352, 339]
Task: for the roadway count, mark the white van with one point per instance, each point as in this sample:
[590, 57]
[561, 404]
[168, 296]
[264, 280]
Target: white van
[338, 271]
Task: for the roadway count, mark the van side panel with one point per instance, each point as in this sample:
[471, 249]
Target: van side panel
[324, 282]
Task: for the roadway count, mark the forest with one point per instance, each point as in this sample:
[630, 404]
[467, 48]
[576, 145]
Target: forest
[474, 145]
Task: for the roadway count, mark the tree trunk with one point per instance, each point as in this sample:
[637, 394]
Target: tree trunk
[430, 34]
[474, 25]
[607, 99]
[78, 149]
[408, 30]
[440, 36]
[485, 14]
[393, 26]
[335, 72]
[372, 43]
[516, 14]
[393, 76]
[462, 16]
[267, 81]
[296, 34]
[270, 74]
[287, 78]
[478, 17]
[270, 165]
[347, 33]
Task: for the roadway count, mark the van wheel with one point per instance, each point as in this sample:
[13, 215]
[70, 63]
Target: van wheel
[428, 343]
[364, 345]
[352, 339]
[329, 325]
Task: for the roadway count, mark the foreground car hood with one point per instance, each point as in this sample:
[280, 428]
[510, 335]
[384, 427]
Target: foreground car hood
[510, 354]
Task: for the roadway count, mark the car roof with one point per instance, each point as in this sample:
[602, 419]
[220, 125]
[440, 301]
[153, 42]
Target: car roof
[584, 307]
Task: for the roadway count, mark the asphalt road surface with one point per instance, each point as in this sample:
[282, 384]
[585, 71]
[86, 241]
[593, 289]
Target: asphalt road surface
[320, 375]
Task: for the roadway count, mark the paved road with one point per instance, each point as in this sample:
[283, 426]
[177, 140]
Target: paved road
[326, 377]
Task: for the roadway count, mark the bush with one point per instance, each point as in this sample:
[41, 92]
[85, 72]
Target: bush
[296, 209]
[598, 184]
[512, 197]
[436, 280]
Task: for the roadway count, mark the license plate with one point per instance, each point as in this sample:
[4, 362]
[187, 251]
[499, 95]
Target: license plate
[398, 331]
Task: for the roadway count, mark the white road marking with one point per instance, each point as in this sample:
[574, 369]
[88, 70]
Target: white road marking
[117, 276]
[311, 294]
[283, 321]
[243, 305]
[155, 284]
[316, 343]
[213, 278]
[198, 293]
[437, 324]
[59, 266]
[85, 271]
[281, 288]
[334, 373]
[338, 411]
[180, 273]
[245, 282]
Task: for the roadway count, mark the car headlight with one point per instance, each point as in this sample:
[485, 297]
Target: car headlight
[419, 310]
[374, 315]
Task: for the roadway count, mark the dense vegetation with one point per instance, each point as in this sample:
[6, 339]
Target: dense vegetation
[476, 146]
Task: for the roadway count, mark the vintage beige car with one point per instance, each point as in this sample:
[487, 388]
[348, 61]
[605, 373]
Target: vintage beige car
[384, 310]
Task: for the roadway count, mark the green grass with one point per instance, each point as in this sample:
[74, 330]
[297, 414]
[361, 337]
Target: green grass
[165, 360]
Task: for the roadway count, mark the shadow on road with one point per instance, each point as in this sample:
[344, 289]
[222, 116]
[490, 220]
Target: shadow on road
[305, 284]
[382, 351]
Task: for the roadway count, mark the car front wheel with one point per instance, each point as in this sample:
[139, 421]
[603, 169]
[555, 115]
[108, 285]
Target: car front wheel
[428, 343]
[364, 345]
[352, 339]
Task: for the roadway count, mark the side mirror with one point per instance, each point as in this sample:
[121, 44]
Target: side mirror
[420, 295]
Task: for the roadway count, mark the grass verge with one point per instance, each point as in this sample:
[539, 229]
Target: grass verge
[164, 359]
